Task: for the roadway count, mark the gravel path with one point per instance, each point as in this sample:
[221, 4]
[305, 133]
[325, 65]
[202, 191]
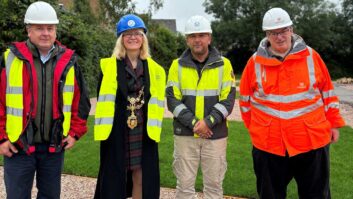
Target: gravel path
[76, 187]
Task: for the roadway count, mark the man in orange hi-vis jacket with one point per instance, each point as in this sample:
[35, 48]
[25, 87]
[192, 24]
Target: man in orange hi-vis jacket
[292, 114]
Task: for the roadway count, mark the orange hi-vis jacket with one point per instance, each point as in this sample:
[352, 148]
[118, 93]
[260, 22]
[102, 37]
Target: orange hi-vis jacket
[288, 106]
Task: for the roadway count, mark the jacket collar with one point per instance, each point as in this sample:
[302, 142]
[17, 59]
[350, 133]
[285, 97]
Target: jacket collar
[35, 52]
[26, 50]
[298, 50]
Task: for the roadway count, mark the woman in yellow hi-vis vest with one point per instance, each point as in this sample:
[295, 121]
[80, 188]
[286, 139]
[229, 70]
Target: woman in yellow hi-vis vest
[129, 115]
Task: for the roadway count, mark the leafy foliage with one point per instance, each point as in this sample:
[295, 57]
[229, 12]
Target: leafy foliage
[91, 44]
[165, 45]
[112, 10]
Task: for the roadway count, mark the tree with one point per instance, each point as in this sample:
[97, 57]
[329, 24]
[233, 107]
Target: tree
[83, 8]
[11, 22]
[91, 42]
[112, 10]
[341, 49]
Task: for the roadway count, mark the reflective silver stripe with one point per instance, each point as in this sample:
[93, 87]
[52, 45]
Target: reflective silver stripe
[180, 68]
[311, 69]
[154, 100]
[332, 105]
[288, 98]
[10, 89]
[172, 83]
[328, 94]
[67, 108]
[227, 84]
[205, 93]
[222, 109]
[8, 63]
[288, 114]
[103, 120]
[220, 77]
[244, 98]
[68, 89]
[154, 122]
[178, 109]
[106, 98]
[244, 109]
[14, 90]
[188, 92]
[258, 78]
[14, 111]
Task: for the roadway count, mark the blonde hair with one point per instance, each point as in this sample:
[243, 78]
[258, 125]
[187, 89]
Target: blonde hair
[120, 51]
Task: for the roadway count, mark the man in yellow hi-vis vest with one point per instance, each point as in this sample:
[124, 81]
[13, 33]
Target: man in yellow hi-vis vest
[200, 94]
[44, 106]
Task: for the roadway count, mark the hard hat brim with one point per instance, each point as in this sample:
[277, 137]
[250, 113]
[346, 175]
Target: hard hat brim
[27, 21]
[277, 27]
[201, 31]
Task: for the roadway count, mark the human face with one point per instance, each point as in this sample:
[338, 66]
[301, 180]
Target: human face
[133, 39]
[42, 36]
[280, 39]
[198, 43]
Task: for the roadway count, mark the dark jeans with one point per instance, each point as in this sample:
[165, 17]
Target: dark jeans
[310, 171]
[19, 173]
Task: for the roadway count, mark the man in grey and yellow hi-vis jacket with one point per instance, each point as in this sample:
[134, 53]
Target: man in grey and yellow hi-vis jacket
[200, 94]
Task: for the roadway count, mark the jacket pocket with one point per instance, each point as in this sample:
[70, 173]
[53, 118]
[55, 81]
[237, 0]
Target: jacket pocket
[318, 129]
[260, 129]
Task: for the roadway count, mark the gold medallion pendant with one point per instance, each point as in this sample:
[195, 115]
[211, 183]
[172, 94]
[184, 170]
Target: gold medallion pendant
[135, 104]
[132, 120]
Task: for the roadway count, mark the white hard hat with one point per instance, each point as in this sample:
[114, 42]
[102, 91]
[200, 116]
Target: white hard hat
[40, 13]
[197, 24]
[276, 18]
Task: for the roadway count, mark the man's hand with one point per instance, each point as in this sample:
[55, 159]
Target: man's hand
[7, 149]
[335, 134]
[202, 129]
[69, 142]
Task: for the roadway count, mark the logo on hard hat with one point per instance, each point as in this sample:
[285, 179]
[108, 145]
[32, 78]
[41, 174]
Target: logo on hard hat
[197, 24]
[131, 23]
[279, 19]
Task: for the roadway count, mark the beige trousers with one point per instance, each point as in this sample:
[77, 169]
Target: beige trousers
[189, 152]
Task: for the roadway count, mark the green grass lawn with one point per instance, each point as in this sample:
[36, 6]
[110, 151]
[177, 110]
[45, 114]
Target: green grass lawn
[240, 180]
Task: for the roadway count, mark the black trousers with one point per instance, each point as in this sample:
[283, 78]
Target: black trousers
[310, 171]
[19, 173]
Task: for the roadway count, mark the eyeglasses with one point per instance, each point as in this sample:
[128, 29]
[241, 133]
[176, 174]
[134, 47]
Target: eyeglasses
[280, 33]
[130, 34]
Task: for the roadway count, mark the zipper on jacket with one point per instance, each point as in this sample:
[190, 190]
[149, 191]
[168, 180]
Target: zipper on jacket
[30, 88]
[42, 114]
[205, 67]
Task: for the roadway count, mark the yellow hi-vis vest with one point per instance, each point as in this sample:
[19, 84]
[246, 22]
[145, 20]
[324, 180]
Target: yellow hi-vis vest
[68, 96]
[14, 97]
[105, 107]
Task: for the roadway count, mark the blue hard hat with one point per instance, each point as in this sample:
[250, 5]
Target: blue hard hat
[128, 22]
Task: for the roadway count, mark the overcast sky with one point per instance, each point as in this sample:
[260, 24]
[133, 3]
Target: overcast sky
[180, 10]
